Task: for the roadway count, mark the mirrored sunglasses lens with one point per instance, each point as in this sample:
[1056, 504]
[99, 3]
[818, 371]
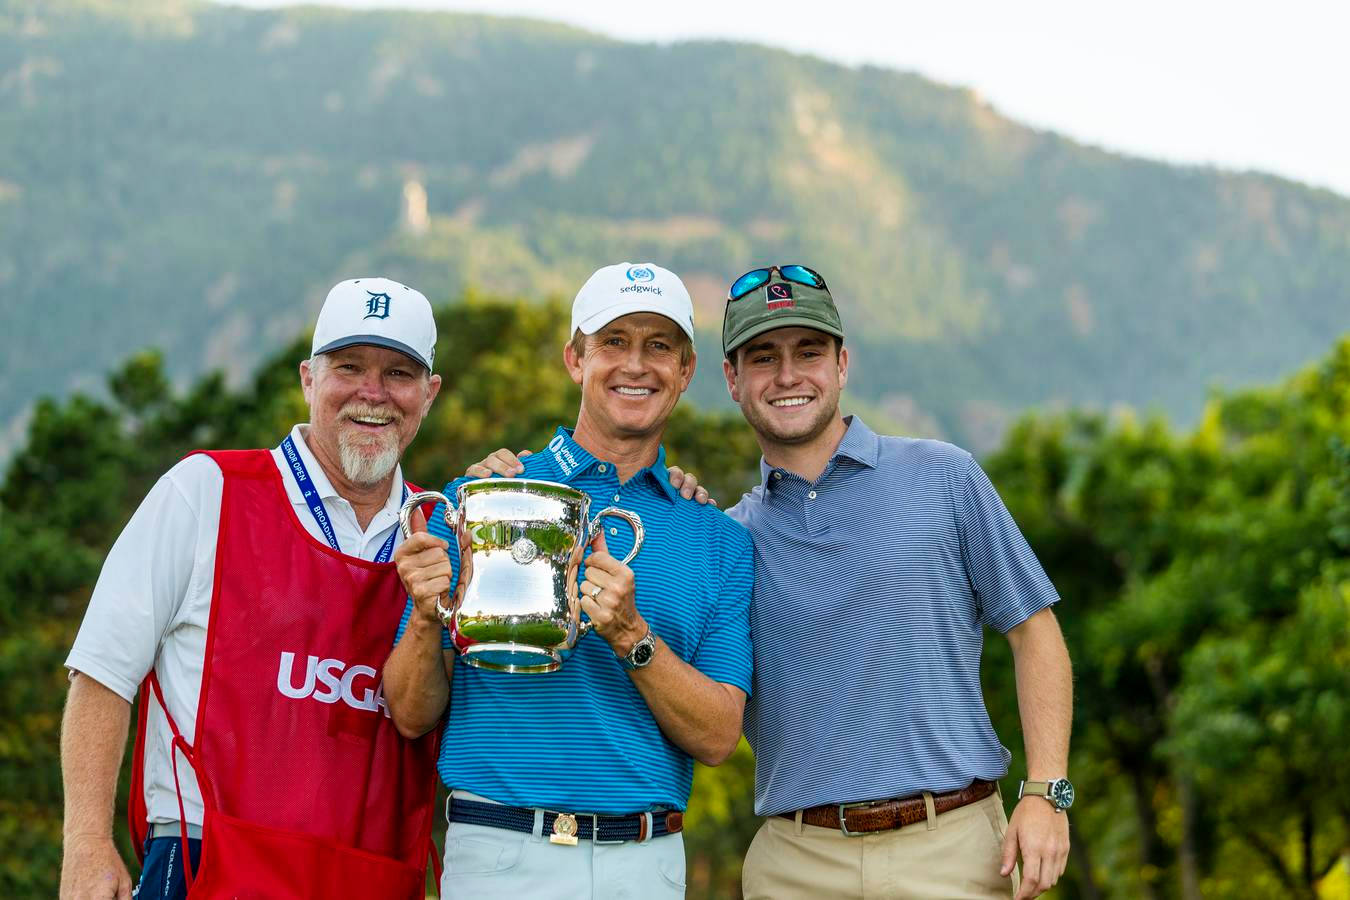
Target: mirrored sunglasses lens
[748, 282]
[802, 275]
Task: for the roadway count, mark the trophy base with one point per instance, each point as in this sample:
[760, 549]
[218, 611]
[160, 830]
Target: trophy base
[512, 657]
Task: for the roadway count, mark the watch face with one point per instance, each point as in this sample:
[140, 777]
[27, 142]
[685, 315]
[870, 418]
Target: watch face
[1061, 793]
[641, 654]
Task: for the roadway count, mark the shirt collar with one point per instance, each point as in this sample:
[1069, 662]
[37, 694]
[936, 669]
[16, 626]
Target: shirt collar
[570, 458]
[320, 478]
[658, 473]
[859, 444]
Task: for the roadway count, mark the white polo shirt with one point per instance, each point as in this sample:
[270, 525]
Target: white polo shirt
[153, 600]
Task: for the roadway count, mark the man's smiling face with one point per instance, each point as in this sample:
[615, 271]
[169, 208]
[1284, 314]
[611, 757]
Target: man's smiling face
[632, 373]
[787, 382]
[366, 404]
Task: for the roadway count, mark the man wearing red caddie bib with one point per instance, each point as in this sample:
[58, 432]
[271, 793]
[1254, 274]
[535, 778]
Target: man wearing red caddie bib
[252, 596]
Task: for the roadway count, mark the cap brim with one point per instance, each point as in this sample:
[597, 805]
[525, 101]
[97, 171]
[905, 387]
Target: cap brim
[777, 322]
[596, 321]
[375, 340]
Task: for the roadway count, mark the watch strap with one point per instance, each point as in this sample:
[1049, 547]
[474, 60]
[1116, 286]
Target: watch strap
[1058, 792]
[1035, 789]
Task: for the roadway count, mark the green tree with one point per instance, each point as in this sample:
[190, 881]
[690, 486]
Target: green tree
[1188, 564]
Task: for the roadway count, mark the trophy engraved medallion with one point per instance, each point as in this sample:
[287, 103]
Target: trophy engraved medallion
[521, 542]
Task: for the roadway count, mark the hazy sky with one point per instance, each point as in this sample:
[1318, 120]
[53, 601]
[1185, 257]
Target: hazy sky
[1242, 85]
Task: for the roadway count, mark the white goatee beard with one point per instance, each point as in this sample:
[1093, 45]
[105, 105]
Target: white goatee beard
[362, 468]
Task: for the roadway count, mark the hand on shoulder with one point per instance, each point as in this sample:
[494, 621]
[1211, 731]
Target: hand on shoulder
[687, 484]
[500, 462]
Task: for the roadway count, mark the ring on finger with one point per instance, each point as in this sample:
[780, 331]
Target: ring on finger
[595, 591]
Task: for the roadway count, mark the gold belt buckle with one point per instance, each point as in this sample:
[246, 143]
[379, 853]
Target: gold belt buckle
[564, 830]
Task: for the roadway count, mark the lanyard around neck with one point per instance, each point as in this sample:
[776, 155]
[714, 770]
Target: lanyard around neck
[316, 507]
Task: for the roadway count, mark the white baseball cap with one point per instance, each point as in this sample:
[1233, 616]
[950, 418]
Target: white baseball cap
[379, 312]
[631, 288]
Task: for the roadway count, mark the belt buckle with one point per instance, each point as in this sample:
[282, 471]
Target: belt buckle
[843, 819]
[564, 830]
[595, 831]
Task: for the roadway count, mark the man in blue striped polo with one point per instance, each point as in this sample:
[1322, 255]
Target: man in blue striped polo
[604, 747]
[878, 562]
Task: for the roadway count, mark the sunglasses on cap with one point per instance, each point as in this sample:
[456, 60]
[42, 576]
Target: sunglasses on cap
[757, 278]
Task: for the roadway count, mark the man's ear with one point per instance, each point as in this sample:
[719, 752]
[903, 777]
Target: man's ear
[307, 381]
[687, 371]
[433, 388]
[572, 361]
[843, 368]
[729, 372]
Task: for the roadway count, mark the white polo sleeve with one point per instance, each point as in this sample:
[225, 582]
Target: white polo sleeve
[149, 579]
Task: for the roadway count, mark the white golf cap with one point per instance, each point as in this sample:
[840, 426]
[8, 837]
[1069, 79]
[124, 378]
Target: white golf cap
[379, 312]
[631, 288]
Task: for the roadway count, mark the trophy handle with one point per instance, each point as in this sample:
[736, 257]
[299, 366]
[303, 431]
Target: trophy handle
[416, 500]
[405, 525]
[634, 521]
[639, 533]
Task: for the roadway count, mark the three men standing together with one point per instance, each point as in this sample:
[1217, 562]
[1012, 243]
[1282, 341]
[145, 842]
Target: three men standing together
[875, 564]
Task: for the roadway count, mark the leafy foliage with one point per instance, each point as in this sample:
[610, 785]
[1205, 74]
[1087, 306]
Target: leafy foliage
[1208, 588]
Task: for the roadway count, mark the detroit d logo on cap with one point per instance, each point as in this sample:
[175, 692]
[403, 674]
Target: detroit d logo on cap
[377, 306]
[640, 273]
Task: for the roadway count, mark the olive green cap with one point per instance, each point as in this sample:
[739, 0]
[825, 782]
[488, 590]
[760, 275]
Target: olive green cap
[778, 304]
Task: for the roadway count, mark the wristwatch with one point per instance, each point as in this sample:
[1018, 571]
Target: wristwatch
[641, 654]
[1057, 791]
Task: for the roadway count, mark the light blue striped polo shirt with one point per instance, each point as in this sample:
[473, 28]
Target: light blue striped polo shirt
[582, 738]
[872, 589]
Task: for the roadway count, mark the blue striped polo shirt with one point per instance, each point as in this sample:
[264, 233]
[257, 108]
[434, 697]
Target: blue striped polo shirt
[873, 585]
[582, 738]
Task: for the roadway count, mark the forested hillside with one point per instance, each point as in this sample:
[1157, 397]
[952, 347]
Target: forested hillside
[192, 178]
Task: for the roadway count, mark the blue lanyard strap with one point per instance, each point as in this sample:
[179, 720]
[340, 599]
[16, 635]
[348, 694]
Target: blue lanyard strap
[388, 549]
[316, 507]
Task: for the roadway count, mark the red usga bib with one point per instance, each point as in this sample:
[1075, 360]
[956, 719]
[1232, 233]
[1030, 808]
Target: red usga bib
[309, 790]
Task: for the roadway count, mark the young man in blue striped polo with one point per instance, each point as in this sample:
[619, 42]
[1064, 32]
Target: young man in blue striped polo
[573, 783]
[879, 561]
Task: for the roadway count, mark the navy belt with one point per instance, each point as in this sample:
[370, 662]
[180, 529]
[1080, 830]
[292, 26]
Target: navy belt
[601, 829]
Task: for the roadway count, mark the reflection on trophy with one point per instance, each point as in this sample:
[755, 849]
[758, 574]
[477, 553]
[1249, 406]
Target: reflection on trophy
[521, 542]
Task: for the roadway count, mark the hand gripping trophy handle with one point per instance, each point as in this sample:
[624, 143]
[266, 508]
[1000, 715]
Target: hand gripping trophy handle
[405, 525]
[639, 533]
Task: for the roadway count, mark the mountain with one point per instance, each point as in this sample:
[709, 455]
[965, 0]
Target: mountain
[194, 177]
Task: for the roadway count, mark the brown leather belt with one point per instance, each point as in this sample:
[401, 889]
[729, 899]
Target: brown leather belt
[884, 815]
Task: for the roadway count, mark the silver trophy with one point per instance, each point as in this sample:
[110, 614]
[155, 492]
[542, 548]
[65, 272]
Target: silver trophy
[521, 542]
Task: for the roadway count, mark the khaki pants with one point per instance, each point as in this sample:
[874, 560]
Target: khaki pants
[955, 855]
